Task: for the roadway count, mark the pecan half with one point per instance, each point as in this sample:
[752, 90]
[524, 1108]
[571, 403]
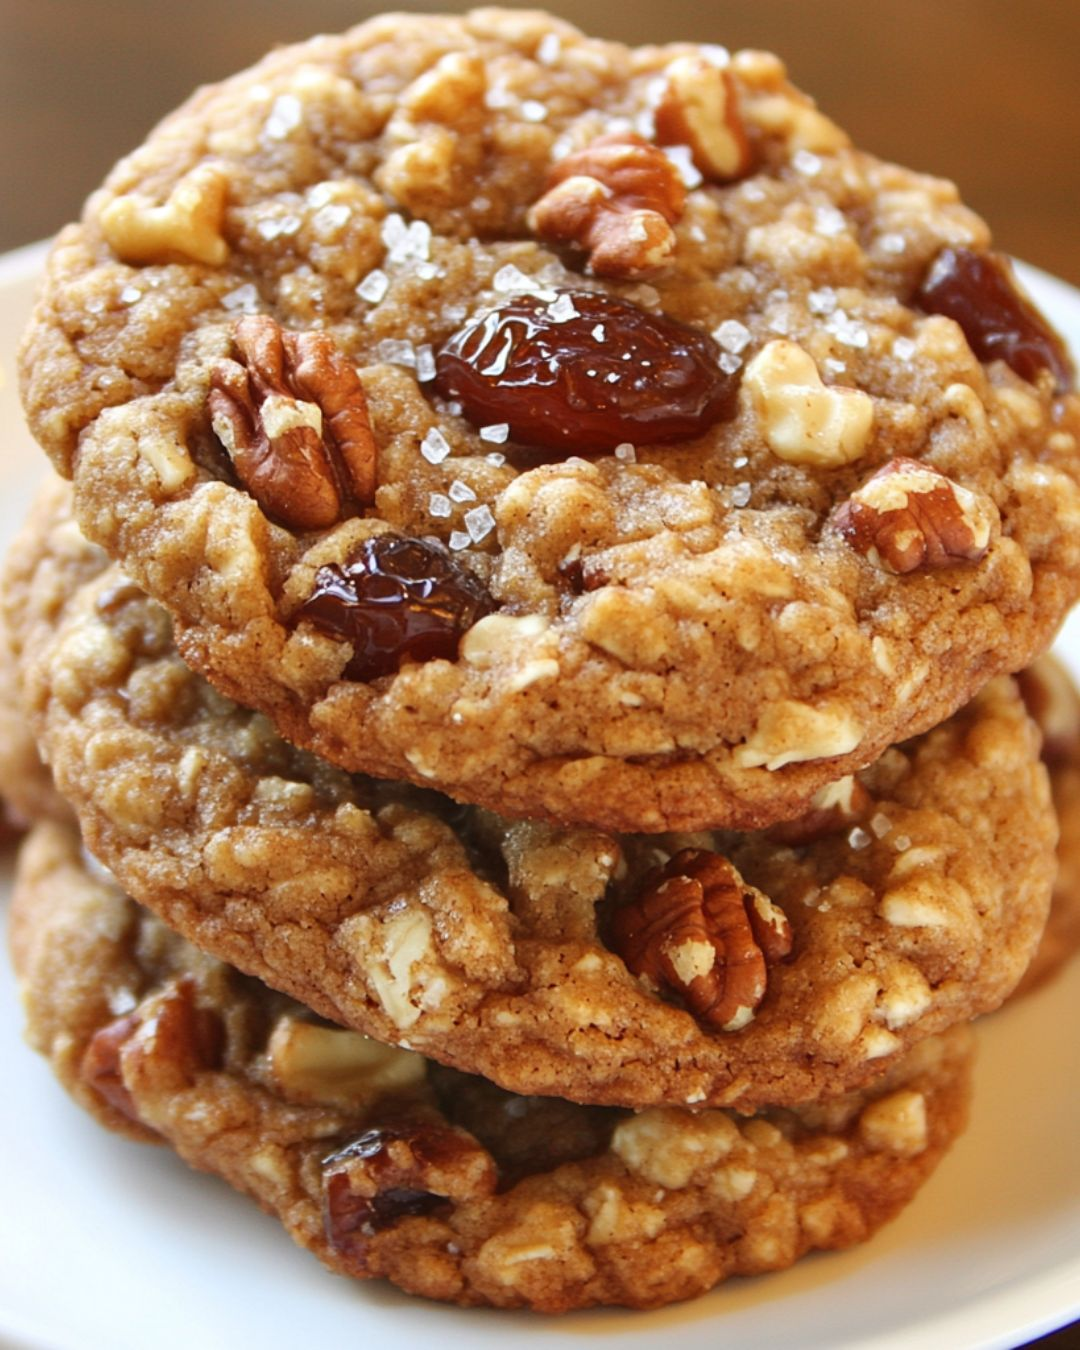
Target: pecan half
[617, 199]
[292, 415]
[100, 1065]
[698, 929]
[911, 517]
[393, 1172]
[698, 107]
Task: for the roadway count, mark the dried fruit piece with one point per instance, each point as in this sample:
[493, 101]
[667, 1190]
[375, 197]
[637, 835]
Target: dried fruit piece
[397, 598]
[698, 107]
[585, 373]
[293, 417]
[911, 517]
[979, 291]
[393, 1172]
[617, 199]
[698, 929]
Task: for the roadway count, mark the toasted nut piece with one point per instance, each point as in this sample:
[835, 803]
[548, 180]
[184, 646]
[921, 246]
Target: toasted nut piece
[797, 121]
[834, 808]
[698, 108]
[911, 517]
[617, 199]
[332, 1066]
[186, 228]
[394, 1171]
[100, 1065]
[803, 420]
[453, 87]
[293, 417]
[697, 928]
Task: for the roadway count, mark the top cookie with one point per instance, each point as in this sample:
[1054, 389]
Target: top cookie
[693, 456]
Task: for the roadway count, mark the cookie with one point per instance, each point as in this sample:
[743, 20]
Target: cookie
[26, 788]
[715, 968]
[1052, 700]
[695, 456]
[385, 1165]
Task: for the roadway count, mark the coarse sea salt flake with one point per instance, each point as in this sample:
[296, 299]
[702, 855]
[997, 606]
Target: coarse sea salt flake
[732, 335]
[511, 278]
[434, 447]
[396, 351]
[533, 111]
[903, 349]
[806, 163]
[729, 363]
[496, 433]
[243, 300]
[461, 492]
[459, 539]
[129, 295]
[561, 310]
[892, 243]
[425, 362]
[740, 494]
[439, 505]
[626, 453]
[374, 286]
[858, 838]
[495, 459]
[286, 115]
[479, 522]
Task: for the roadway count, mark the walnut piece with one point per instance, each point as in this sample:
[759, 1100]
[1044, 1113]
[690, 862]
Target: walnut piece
[292, 415]
[910, 517]
[836, 807]
[335, 1067]
[186, 228]
[803, 420]
[617, 199]
[100, 1065]
[698, 929]
[396, 1171]
[698, 108]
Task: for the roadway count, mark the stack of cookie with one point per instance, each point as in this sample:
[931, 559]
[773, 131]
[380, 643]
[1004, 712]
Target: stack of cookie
[548, 522]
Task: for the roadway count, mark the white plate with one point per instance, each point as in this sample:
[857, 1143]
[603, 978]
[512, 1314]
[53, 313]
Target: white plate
[106, 1245]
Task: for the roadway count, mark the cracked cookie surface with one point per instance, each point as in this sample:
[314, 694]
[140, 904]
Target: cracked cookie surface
[385, 1165]
[695, 633]
[716, 968]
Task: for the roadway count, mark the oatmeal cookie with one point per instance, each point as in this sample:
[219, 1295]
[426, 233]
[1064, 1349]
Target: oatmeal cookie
[26, 788]
[693, 458]
[1052, 700]
[715, 968]
[386, 1165]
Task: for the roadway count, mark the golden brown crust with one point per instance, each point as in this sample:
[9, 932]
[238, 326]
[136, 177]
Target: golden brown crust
[737, 653]
[485, 943]
[593, 1206]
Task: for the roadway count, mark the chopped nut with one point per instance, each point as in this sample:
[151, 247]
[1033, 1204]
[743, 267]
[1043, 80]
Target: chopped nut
[186, 228]
[445, 93]
[910, 517]
[332, 1066]
[617, 199]
[100, 1065]
[698, 929]
[835, 808]
[896, 1124]
[501, 637]
[698, 108]
[805, 421]
[293, 417]
[791, 732]
[393, 1172]
[797, 122]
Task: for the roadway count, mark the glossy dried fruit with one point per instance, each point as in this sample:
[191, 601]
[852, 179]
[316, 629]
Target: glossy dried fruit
[699, 930]
[585, 373]
[979, 291]
[397, 598]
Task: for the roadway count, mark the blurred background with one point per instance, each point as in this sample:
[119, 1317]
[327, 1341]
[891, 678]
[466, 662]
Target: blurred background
[981, 91]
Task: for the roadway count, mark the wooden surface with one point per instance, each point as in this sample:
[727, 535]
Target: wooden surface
[982, 91]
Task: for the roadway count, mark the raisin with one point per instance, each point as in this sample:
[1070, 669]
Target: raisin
[979, 291]
[606, 374]
[396, 598]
